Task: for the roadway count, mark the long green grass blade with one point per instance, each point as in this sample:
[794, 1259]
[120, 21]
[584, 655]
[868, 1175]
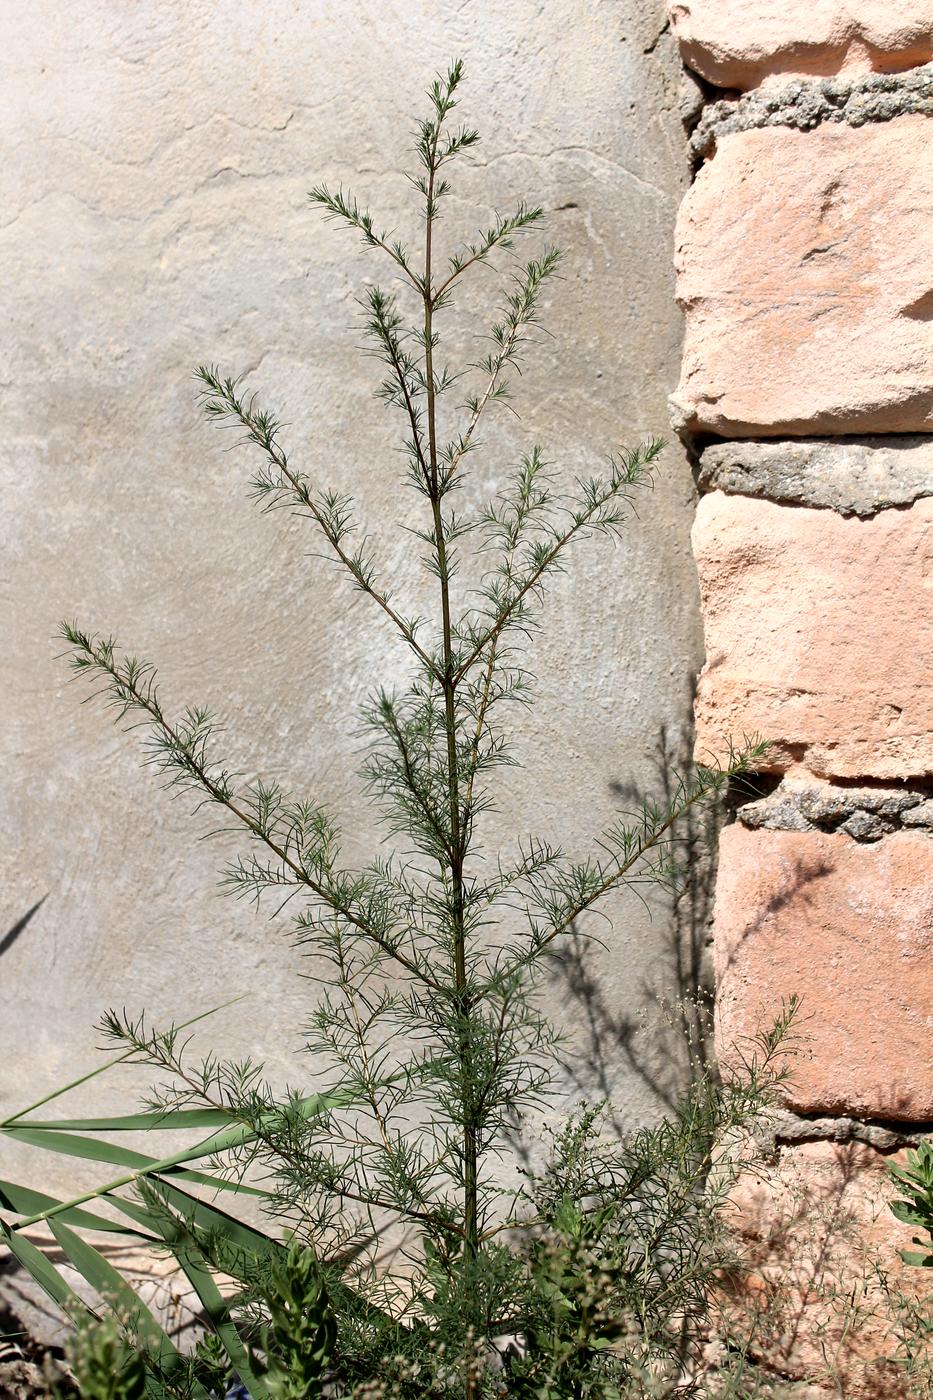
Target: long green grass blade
[45, 1274]
[176, 1118]
[212, 1220]
[105, 1280]
[114, 1290]
[111, 1064]
[219, 1142]
[23, 1200]
[197, 1270]
[95, 1150]
[205, 1216]
[218, 1314]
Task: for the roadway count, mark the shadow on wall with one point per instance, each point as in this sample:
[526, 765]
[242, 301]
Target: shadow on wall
[794, 893]
[674, 1005]
[10, 937]
[680, 983]
[821, 1297]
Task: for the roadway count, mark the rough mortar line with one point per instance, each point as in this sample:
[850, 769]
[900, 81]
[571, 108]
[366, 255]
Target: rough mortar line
[786, 1129]
[876, 97]
[863, 814]
[851, 475]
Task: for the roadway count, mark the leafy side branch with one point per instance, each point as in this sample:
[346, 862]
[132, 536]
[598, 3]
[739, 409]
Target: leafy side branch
[300, 836]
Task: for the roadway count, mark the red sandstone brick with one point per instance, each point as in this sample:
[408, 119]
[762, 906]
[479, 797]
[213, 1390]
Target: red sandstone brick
[804, 270]
[740, 43]
[816, 1230]
[849, 928]
[819, 634]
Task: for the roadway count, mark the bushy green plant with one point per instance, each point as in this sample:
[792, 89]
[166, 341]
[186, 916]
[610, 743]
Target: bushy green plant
[103, 1365]
[429, 1024]
[299, 1339]
[915, 1181]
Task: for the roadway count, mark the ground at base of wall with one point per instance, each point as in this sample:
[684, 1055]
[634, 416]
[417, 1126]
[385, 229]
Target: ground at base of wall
[799, 1216]
[28, 1371]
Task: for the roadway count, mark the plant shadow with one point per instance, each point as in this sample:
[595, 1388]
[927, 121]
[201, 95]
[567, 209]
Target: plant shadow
[12, 934]
[665, 1041]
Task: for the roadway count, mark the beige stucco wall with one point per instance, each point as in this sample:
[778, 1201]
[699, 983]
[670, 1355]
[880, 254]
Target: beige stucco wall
[154, 214]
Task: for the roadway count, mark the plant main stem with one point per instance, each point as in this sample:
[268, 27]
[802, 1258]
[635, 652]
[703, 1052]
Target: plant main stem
[457, 828]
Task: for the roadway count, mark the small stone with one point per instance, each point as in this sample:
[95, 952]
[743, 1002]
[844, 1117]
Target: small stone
[865, 826]
[921, 815]
[895, 804]
[825, 804]
[835, 91]
[776, 813]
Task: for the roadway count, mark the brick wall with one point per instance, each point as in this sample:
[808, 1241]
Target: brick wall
[804, 254]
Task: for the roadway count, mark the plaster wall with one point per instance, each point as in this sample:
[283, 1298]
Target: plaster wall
[154, 215]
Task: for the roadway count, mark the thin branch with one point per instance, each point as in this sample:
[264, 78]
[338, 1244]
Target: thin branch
[337, 206]
[130, 694]
[387, 333]
[411, 781]
[521, 313]
[220, 399]
[631, 473]
[710, 781]
[498, 237]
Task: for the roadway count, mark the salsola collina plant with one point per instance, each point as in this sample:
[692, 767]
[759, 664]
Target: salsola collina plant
[428, 1028]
